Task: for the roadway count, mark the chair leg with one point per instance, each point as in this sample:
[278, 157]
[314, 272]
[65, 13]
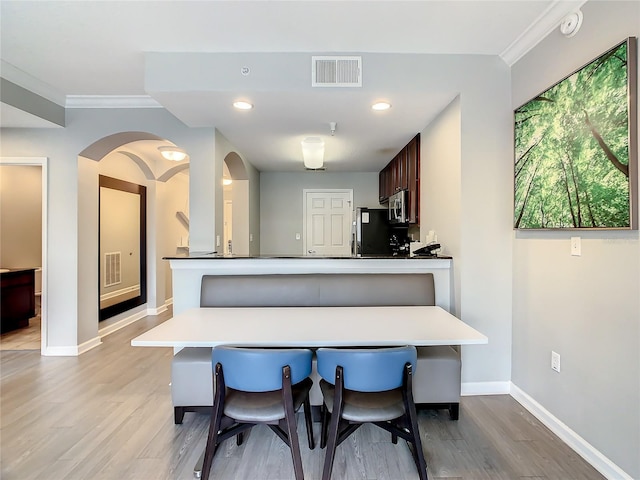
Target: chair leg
[324, 424]
[294, 443]
[416, 441]
[332, 441]
[331, 445]
[212, 440]
[309, 423]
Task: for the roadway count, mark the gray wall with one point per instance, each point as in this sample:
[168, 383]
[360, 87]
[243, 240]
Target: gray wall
[586, 308]
[281, 204]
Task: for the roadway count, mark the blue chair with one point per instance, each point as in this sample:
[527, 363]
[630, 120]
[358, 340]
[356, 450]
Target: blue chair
[259, 386]
[368, 385]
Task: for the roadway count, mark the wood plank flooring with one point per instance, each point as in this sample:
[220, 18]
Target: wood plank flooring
[107, 415]
[27, 338]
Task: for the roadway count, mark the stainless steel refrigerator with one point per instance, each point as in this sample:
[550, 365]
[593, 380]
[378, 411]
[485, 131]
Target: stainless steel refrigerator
[371, 232]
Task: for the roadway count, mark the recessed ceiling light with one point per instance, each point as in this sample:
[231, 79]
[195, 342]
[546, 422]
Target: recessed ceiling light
[242, 105]
[381, 106]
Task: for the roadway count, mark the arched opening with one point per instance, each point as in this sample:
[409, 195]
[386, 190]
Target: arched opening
[135, 158]
[236, 206]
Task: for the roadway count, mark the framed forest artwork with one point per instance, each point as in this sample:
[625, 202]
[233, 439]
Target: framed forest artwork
[576, 149]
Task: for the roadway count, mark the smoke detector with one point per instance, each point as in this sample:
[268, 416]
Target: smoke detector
[571, 24]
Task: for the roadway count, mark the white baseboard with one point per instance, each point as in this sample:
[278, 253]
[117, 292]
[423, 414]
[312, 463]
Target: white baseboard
[103, 332]
[583, 448]
[161, 308]
[485, 388]
[71, 351]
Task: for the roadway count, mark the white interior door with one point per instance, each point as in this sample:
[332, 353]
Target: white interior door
[328, 218]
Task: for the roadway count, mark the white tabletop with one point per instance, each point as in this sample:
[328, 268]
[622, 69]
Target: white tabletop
[311, 327]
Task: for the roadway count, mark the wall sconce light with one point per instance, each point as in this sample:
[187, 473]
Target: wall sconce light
[313, 152]
[175, 154]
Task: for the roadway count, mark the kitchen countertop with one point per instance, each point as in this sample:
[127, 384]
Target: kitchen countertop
[216, 256]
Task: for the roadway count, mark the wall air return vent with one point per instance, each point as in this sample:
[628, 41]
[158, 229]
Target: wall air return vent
[112, 269]
[340, 71]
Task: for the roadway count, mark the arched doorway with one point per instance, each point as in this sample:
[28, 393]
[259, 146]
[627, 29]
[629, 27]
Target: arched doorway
[236, 206]
[136, 157]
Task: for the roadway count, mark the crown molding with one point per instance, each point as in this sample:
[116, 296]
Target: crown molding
[111, 101]
[539, 29]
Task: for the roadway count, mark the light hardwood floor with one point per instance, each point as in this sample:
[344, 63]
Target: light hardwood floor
[27, 338]
[107, 415]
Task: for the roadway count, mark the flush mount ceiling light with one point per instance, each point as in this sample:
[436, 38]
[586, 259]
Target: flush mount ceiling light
[226, 181]
[175, 154]
[379, 106]
[242, 105]
[313, 152]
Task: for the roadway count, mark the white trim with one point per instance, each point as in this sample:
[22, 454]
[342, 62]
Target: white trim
[88, 345]
[72, 351]
[162, 308]
[542, 26]
[117, 293]
[485, 388]
[44, 299]
[111, 101]
[114, 327]
[583, 448]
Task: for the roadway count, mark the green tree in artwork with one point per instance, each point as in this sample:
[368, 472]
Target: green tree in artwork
[572, 150]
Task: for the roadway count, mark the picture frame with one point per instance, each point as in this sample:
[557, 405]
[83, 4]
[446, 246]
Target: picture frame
[576, 148]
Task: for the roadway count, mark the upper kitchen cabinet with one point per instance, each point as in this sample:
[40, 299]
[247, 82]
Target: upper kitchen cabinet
[403, 173]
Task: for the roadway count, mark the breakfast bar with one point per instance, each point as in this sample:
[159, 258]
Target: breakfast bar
[187, 271]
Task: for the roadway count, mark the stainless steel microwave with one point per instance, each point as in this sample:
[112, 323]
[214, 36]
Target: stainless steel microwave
[398, 208]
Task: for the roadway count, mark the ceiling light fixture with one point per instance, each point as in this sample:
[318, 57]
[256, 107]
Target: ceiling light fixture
[242, 105]
[227, 181]
[313, 152]
[379, 106]
[175, 154]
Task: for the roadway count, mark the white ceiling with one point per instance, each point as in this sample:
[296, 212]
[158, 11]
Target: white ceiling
[80, 53]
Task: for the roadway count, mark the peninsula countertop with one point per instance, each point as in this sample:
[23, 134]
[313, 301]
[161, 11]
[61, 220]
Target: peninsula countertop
[217, 256]
[187, 271]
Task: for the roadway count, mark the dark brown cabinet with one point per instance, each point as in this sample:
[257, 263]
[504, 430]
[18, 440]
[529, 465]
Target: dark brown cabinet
[403, 173]
[17, 299]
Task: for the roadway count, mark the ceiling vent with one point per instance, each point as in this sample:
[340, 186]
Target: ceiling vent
[335, 71]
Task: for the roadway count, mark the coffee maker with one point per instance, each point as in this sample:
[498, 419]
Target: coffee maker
[399, 242]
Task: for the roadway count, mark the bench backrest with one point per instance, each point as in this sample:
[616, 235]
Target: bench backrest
[317, 290]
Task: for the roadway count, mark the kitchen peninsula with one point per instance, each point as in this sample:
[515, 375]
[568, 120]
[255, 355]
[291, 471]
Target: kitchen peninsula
[187, 271]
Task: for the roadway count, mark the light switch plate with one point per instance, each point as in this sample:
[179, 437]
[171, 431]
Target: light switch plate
[576, 246]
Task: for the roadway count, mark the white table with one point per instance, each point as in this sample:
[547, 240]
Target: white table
[311, 327]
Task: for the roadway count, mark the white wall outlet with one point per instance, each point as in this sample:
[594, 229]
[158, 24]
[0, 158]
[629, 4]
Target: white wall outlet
[217, 240]
[555, 361]
[576, 247]
[297, 236]
[251, 237]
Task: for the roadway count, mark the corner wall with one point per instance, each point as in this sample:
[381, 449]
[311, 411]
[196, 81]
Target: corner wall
[586, 308]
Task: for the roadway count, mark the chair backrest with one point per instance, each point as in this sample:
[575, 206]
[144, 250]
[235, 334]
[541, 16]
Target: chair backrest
[260, 369]
[366, 369]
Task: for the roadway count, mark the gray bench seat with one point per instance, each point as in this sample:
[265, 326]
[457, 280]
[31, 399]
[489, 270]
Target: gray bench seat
[437, 379]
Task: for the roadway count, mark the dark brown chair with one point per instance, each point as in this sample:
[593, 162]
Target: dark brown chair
[259, 386]
[370, 385]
